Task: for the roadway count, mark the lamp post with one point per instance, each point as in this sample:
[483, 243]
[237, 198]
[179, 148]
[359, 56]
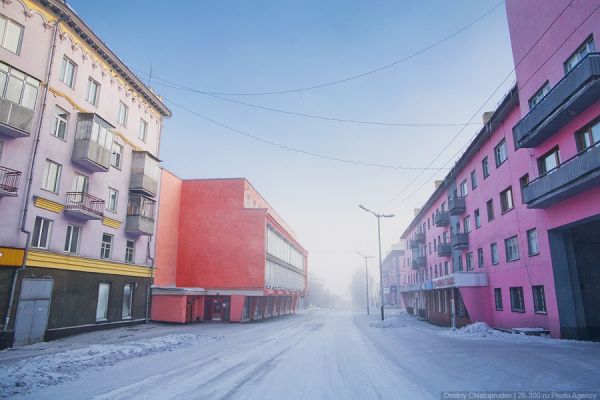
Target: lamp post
[366, 277]
[379, 216]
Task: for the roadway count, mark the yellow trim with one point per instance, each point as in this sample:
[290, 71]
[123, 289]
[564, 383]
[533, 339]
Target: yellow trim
[49, 205]
[11, 257]
[33, 6]
[112, 223]
[44, 259]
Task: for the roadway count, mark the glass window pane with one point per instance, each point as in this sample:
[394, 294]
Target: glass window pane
[103, 294]
[12, 37]
[14, 89]
[29, 97]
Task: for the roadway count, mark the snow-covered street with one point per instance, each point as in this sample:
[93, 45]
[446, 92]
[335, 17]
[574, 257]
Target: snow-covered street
[317, 355]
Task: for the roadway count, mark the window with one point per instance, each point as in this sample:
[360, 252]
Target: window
[469, 261]
[477, 219]
[460, 263]
[51, 176]
[113, 198]
[117, 155]
[539, 299]
[93, 92]
[490, 209]
[446, 268]
[506, 200]
[59, 125]
[480, 257]
[511, 245]
[80, 183]
[580, 53]
[123, 111]
[517, 304]
[127, 300]
[67, 72]
[589, 136]
[498, 298]
[102, 307]
[539, 95]
[130, 252]
[18, 87]
[143, 133]
[494, 253]
[523, 181]
[467, 224]
[532, 242]
[10, 35]
[549, 161]
[1, 145]
[105, 249]
[72, 239]
[464, 191]
[473, 179]
[500, 153]
[41, 233]
[485, 167]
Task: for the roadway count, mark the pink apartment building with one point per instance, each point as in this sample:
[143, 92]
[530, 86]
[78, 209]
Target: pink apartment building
[511, 236]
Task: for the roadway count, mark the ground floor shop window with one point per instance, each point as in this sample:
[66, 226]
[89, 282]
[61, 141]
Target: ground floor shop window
[539, 299]
[517, 303]
[127, 300]
[102, 307]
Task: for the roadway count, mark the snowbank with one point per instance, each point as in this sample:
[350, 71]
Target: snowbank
[393, 322]
[479, 330]
[35, 373]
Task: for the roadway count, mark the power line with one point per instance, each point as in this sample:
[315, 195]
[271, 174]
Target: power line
[370, 72]
[297, 150]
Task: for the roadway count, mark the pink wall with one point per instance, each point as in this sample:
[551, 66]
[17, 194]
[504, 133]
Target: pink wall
[169, 308]
[167, 231]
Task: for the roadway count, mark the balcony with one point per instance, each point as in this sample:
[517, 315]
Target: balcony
[140, 215]
[442, 218]
[571, 95]
[419, 262]
[420, 237]
[460, 241]
[572, 177]
[144, 174]
[84, 206]
[9, 182]
[444, 250]
[93, 143]
[456, 205]
[15, 121]
[413, 244]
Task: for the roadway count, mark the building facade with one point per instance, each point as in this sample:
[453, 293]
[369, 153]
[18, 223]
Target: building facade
[390, 266]
[223, 254]
[511, 235]
[79, 176]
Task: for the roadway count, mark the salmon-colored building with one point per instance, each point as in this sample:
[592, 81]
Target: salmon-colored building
[222, 253]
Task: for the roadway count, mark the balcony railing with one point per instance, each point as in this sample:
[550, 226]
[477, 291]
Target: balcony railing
[442, 218]
[444, 250]
[419, 262]
[420, 237]
[93, 143]
[413, 244]
[144, 174]
[84, 205]
[460, 241]
[9, 181]
[576, 91]
[15, 120]
[140, 215]
[572, 177]
[456, 205]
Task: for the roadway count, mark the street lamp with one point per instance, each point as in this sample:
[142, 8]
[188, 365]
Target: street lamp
[366, 277]
[379, 216]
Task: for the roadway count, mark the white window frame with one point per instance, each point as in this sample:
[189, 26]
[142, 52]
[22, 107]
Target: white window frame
[51, 177]
[124, 314]
[122, 114]
[38, 230]
[494, 255]
[93, 100]
[116, 159]
[103, 301]
[9, 23]
[106, 247]
[110, 205]
[60, 121]
[511, 248]
[69, 239]
[143, 132]
[68, 76]
[532, 241]
[500, 153]
[130, 252]
[574, 59]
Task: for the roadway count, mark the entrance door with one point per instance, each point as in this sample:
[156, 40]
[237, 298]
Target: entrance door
[32, 312]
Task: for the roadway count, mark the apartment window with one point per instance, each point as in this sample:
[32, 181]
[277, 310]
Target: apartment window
[106, 247]
[588, 136]
[18, 87]
[102, 307]
[583, 50]
[523, 181]
[130, 251]
[72, 239]
[511, 246]
[506, 200]
[485, 167]
[498, 298]
[477, 219]
[469, 261]
[464, 191]
[539, 95]
[123, 112]
[117, 155]
[494, 253]
[51, 177]
[10, 35]
[480, 258]
[549, 161]
[143, 133]
[532, 242]
[460, 262]
[443, 206]
[93, 92]
[539, 299]
[127, 301]
[67, 72]
[467, 224]
[490, 209]
[517, 304]
[80, 183]
[41, 233]
[473, 179]
[446, 268]
[60, 123]
[500, 153]
[434, 244]
[113, 198]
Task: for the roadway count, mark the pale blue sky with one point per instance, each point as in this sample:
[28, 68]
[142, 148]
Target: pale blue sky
[256, 46]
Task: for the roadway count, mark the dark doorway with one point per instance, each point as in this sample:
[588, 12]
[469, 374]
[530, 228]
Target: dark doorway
[217, 308]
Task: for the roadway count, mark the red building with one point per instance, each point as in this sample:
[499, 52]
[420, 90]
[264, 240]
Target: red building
[222, 253]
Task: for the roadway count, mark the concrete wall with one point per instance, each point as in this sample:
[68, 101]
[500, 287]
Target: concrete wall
[167, 230]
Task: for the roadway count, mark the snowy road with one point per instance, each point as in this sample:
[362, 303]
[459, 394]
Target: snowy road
[319, 356]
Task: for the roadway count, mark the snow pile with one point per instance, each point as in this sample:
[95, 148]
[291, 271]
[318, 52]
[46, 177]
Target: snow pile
[480, 330]
[47, 370]
[394, 322]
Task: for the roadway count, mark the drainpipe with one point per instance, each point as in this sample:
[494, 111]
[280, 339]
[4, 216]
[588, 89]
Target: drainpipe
[30, 180]
[150, 283]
